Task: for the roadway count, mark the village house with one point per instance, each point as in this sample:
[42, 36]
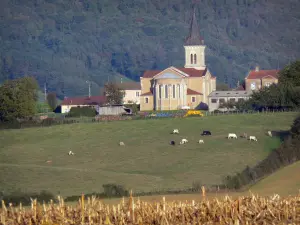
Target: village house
[92, 101]
[256, 79]
[132, 92]
[217, 98]
[175, 88]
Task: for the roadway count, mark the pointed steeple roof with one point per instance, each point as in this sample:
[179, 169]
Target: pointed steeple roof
[194, 37]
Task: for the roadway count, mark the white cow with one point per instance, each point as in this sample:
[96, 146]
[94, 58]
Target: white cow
[231, 135]
[71, 153]
[270, 133]
[201, 142]
[121, 143]
[183, 141]
[252, 138]
[175, 131]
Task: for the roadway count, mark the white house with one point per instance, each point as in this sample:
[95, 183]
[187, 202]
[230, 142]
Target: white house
[132, 92]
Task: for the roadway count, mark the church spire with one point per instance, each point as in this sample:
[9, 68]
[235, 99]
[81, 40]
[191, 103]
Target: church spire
[194, 37]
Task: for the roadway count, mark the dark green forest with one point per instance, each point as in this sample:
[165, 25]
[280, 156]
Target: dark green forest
[64, 43]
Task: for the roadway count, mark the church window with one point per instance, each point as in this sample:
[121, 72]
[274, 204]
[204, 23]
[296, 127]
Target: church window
[174, 91]
[146, 100]
[193, 99]
[166, 91]
[195, 59]
[191, 58]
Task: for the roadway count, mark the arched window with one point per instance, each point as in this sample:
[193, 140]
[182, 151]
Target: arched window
[191, 58]
[195, 59]
[174, 91]
[166, 91]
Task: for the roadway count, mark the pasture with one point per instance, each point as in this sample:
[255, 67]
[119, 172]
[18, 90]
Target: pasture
[146, 163]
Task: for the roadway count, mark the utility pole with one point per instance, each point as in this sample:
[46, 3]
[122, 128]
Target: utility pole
[45, 91]
[88, 82]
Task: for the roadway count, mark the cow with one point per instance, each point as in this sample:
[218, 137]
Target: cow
[172, 142]
[201, 142]
[205, 133]
[71, 153]
[183, 141]
[175, 131]
[270, 133]
[231, 135]
[121, 143]
[252, 138]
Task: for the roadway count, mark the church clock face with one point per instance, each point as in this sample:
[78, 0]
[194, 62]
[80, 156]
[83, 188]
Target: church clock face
[252, 86]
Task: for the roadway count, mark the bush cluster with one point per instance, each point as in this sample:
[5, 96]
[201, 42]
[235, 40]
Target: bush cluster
[82, 112]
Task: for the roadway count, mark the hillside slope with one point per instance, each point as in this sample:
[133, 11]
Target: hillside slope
[65, 43]
[284, 181]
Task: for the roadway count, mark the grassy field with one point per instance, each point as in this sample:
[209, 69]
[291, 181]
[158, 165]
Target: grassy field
[146, 163]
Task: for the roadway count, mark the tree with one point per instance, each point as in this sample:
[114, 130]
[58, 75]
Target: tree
[18, 98]
[114, 95]
[290, 74]
[222, 87]
[52, 100]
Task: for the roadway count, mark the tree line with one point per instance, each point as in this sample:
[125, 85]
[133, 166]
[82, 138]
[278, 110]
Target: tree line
[19, 98]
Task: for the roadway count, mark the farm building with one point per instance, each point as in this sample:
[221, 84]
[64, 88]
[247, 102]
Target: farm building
[216, 98]
[113, 110]
[92, 101]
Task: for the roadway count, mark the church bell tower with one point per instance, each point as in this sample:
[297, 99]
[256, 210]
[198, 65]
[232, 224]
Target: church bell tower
[194, 47]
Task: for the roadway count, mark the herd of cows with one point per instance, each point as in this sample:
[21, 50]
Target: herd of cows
[206, 133]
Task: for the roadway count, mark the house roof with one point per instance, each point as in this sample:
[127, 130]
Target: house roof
[230, 94]
[129, 85]
[147, 94]
[194, 37]
[93, 100]
[192, 92]
[260, 74]
[190, 71]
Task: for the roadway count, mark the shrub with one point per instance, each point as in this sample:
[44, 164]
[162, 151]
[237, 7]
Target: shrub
[82, 111]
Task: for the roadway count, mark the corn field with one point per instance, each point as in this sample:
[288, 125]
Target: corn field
[242, 210]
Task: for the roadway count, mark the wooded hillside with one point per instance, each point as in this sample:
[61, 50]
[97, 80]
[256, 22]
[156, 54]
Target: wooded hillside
[66, 42]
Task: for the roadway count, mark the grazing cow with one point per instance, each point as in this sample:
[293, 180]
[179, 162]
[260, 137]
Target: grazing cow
[49, 161]
[172, 143]
[175, 131]
[270, 133]
[231, 135]
[205, 133]
[71, 153]
[183, 141]
[121, 143]
[201, 142]
[252, 138]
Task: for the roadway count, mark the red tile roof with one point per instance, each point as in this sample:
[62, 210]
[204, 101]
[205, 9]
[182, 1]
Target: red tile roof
[192, 92]
[93, 100]
[262, 74]
[190, 71]
[147, 94]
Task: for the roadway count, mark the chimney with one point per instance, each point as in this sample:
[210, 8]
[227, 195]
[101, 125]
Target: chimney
[257, 68]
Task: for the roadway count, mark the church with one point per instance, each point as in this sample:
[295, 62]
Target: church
[180, 88]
